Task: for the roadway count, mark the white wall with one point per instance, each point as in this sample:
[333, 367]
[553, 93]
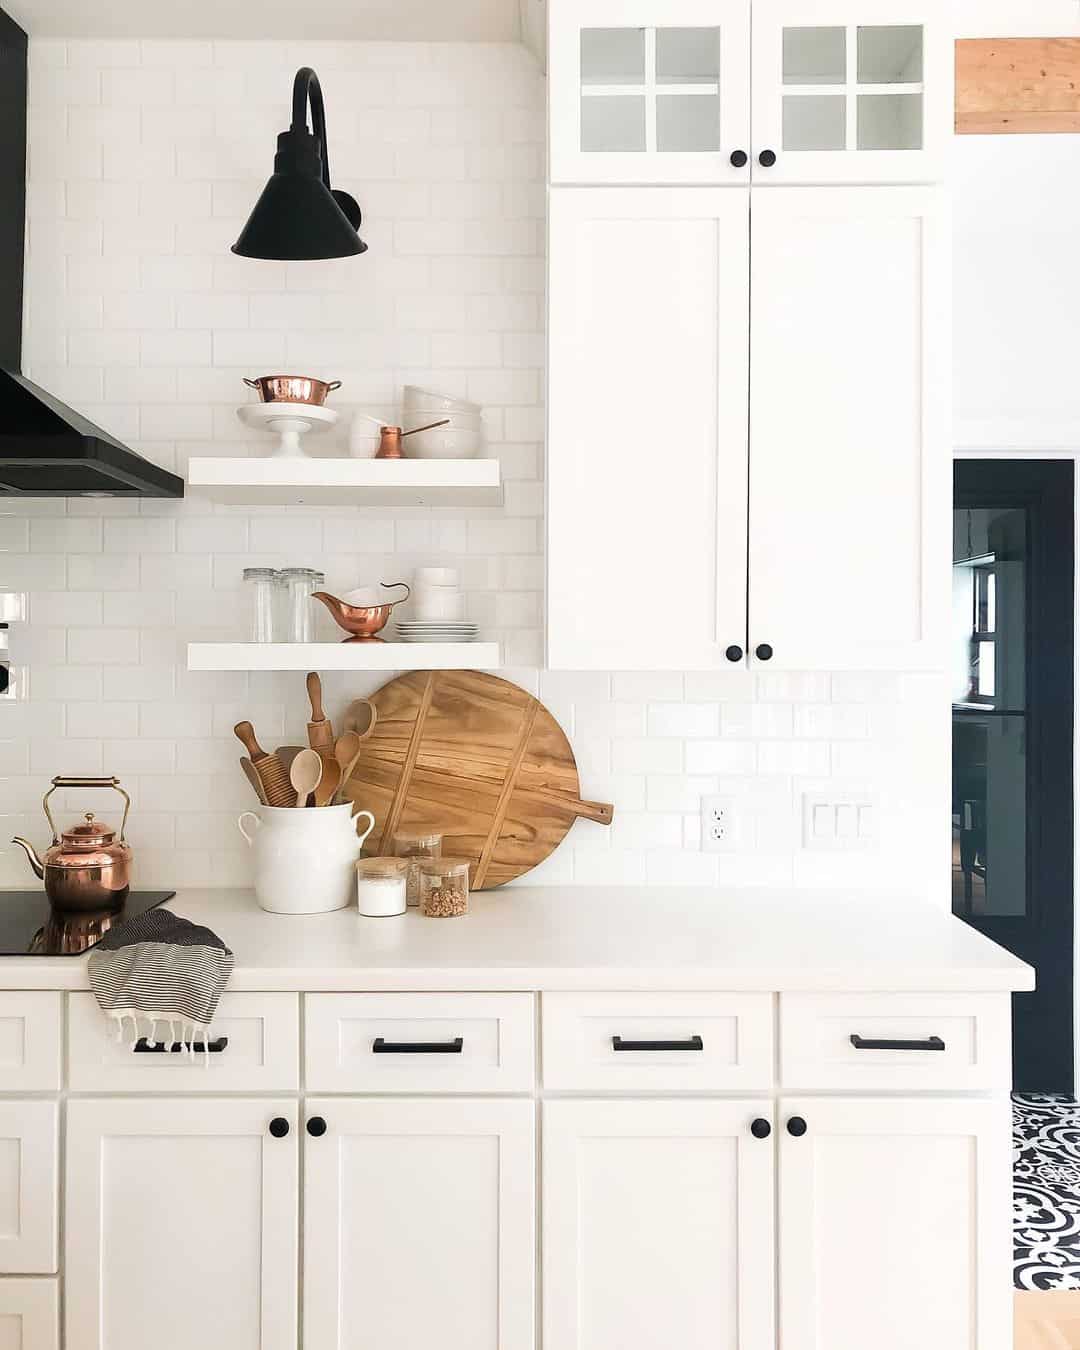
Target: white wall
[144, 161]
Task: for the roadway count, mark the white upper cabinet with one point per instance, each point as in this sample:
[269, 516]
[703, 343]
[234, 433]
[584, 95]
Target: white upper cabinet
[659, 91]
[648, 369]
[649, 92]
[849, 461]
[850, 91]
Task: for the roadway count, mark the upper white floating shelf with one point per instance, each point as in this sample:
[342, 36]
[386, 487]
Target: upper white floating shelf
[343, 656]
[343, 482]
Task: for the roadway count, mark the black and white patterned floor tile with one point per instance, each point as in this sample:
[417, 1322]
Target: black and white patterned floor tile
[1046, 1192]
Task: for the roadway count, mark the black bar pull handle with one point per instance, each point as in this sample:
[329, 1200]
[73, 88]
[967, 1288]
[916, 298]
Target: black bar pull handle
[379, 1046]
[214, 1047]
[931, 1043]
[691, 1043]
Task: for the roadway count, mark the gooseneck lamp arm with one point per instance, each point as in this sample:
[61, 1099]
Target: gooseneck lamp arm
[299, 216]
[307, 90]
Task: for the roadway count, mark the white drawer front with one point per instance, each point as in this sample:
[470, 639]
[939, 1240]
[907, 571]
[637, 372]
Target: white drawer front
[661, 1042]
[471, 1042]
[262, 1054]
[970, 1032]
[29, 1198]
[30, 1042]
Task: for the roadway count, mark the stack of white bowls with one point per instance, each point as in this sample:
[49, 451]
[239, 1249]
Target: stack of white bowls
[460, 438]
[438, 608]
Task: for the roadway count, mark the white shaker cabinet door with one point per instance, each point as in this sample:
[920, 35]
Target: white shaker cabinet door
[419, 1224]
[849, 443]
[29, 1315]
[851, 91]
[658, 1226]
[649, 91]
[895, 1225]
[647, 432]
[29, 1186]
[181, 1225]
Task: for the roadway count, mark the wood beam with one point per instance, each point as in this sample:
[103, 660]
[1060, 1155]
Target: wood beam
[1017, 85]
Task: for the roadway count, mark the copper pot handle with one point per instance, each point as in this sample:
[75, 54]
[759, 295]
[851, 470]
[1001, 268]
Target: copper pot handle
[334, 384]
[251, 384]
[63, 781]
[389, 585]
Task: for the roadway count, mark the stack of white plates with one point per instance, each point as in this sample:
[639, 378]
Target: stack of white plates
[431, 630]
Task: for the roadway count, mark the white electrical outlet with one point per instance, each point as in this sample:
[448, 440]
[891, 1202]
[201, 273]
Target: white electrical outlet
[719, 824]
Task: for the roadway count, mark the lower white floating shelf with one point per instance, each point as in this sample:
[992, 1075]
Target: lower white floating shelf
[302, 481]
[343, 656]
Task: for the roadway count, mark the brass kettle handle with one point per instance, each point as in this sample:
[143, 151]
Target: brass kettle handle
[62, 780]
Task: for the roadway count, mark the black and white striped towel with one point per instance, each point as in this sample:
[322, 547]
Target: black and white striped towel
[159, 968]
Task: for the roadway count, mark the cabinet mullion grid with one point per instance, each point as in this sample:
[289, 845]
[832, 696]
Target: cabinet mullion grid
[650, 91]
[851, 87]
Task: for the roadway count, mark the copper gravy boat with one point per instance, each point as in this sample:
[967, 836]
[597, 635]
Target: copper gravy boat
[362, 622]
[86, 869]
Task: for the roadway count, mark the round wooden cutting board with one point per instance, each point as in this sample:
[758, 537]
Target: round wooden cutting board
[476, 758]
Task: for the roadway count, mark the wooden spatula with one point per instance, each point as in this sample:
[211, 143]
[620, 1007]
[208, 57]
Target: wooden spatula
[271, 771]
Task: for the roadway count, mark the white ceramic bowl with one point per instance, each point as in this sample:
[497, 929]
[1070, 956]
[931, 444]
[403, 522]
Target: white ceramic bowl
[415, 397]
[435, 576]
[455, 421]
[443, 443]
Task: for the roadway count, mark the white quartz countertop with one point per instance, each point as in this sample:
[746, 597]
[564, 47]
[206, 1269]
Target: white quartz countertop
[549, 938]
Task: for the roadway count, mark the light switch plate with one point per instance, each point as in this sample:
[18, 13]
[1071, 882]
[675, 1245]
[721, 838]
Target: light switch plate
[839, 822]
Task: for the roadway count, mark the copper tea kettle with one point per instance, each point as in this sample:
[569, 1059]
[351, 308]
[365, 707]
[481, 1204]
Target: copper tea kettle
[86, 868]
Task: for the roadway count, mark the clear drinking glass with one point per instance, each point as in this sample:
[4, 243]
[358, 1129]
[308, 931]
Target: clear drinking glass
[263, 585]
[300, 584]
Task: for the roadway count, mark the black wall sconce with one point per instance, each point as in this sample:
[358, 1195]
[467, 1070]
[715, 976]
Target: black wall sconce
[299, 215]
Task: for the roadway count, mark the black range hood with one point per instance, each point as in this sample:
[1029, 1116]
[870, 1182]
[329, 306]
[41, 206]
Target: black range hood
[46, 449]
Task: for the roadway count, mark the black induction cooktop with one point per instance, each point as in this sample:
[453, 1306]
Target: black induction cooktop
[29, 926]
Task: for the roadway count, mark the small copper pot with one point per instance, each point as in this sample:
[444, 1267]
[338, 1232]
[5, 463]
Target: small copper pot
[292, 389]
[86, 868]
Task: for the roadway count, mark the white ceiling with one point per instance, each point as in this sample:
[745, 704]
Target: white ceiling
[365, 20]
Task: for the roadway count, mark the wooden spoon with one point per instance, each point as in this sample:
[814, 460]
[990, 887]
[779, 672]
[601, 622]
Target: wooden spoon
[360, 716]
[346, 752]
[305, 774]
[328, 783]
[252, 775]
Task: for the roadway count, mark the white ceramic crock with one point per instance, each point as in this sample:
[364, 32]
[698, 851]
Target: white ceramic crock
[305, 858]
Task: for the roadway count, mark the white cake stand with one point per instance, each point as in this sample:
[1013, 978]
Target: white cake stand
[290, 421]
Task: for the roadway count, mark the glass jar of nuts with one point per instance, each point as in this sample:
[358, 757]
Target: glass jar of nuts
[417, 846]
[444, 888]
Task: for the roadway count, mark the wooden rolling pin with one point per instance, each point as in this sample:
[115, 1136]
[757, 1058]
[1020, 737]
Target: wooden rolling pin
[319, 729]
[271, 771]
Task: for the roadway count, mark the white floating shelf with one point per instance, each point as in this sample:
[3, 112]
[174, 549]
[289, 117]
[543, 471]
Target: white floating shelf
[343, 656]
[344, 482]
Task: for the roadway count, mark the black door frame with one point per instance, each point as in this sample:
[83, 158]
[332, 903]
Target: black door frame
[1043, 1022]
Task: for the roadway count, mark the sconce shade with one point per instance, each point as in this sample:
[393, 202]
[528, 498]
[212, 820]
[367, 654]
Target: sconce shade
[298, 216]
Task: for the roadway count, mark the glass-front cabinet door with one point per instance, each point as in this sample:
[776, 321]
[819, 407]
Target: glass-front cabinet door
[849, 91]
[648, 92]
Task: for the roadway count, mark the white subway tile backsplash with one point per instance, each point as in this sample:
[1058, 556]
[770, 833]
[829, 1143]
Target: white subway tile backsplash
[145, 161]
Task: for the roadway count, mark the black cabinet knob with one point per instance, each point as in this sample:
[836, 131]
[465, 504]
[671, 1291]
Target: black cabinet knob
[796, 1126]
[279, 1127]
[760, 1128]
[734, 653]
[767, 159]
[763, 651]
[316, 1127]
[739, 159]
